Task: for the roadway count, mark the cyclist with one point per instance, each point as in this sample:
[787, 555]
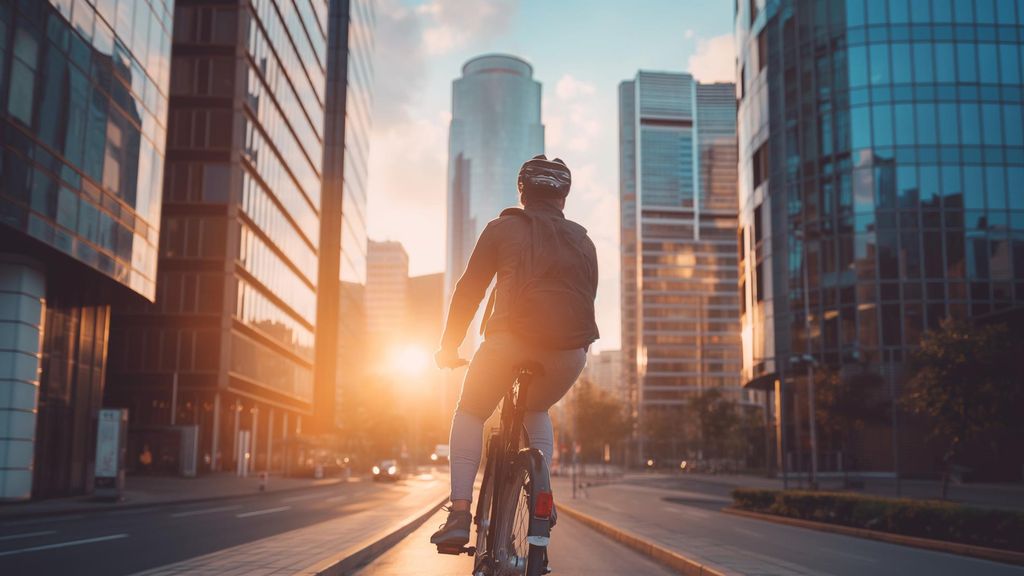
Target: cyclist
[543, 311]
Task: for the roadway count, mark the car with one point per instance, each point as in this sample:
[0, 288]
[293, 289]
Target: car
[386, 470]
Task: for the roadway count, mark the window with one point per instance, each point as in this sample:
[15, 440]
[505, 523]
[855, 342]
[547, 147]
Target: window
[966, 62]
[944, 71]
[880, 64]
[924, 68]
[762, 50]
[901, 73]
[925, 113]
[858, 66]
[761, 164]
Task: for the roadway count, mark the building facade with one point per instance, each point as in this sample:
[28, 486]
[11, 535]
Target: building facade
[83, 118]
[605, 371]
[228, 347]
[495, 127]
[387, 295]
[881, 151]
[342, 256]
[680, 328]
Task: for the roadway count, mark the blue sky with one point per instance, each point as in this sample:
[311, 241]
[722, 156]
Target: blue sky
[580, 51]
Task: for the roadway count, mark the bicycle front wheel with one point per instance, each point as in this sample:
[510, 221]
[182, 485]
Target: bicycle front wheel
[514, 555]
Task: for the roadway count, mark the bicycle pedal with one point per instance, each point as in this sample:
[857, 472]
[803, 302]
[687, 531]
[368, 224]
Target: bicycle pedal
[456, 550]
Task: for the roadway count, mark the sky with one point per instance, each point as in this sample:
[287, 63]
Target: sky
[580, 51]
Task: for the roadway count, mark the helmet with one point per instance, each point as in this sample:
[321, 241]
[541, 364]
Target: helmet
[539, 175]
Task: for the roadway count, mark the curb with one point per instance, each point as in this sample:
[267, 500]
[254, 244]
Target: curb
[656, 552]
[993, 554]
[361, 554]
[128, 505]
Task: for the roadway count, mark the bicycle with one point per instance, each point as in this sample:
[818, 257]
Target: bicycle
[515, 493]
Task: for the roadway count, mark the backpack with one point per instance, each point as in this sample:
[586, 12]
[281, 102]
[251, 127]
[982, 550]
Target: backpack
[553, 285]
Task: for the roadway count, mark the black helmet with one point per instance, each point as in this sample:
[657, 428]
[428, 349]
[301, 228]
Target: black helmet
[539, 175]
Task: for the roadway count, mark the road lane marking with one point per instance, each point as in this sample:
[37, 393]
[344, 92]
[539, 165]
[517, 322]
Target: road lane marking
[28, 535]
[64, 544]
[205, 511]
[747, 532]
[130, 511]
[337, 498]
[262, 512]
[689, 511]
[300, 498]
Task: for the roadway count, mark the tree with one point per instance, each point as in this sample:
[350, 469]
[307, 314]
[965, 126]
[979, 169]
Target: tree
[718, 421]
[963, 385]
[845, 403]
[599, 419]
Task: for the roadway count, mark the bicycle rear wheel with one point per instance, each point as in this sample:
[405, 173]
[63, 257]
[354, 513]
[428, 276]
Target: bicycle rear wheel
[514, 554]
[484, 504]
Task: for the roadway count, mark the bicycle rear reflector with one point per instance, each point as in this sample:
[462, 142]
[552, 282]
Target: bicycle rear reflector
[542, 505]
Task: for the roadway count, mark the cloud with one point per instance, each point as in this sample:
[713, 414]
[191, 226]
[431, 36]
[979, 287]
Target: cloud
[715, 60]
[572, 120]
[689, 33]
[399, 64]
[451, 24]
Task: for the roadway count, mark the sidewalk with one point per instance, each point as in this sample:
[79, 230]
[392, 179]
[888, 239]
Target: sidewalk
[159, 490]
[691, 523]
[296, 552]
[1005, 495]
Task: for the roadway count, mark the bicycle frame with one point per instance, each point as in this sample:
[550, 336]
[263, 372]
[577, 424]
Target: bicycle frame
[509, 456]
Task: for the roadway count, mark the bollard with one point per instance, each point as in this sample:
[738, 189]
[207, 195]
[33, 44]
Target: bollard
[264, 478]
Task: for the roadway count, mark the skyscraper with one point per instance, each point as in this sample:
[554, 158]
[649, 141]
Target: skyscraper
[881, 151]
[342, 256]
[387, 294]
[496, 126]
[83, 109]
[248, 216]
[677, 159]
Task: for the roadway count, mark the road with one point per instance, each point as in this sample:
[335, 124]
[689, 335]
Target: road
[575, 550]
[134, 539]
[686, 516]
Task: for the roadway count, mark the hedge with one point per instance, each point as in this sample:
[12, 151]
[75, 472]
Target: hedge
[988, 527]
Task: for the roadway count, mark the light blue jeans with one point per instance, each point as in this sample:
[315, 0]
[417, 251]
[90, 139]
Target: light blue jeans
[489, 377]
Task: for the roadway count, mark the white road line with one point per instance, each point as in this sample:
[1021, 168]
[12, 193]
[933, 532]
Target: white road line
[337, 498]
[28, 535]
[45, 520]
[301, 498]
[130, 511]
[64, 544]
[747, 532]
[689, 511]
[205, 511]
[262, 512]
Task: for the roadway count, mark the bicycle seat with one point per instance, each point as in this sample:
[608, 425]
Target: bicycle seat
[530, 367]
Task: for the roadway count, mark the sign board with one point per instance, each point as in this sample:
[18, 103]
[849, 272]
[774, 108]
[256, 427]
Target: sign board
[110, 451]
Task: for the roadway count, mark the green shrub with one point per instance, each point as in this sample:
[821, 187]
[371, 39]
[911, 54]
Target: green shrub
[921, 518]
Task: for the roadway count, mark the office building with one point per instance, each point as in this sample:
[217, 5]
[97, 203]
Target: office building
[342, 259]
[604, 370]
[257, 121]
[83, 110]
[387, 290]
[680, 312]
[881, 150]
[495, 127]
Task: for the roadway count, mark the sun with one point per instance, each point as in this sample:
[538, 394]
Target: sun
[410, 359]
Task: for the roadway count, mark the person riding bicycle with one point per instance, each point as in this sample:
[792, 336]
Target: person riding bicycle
[543, 312]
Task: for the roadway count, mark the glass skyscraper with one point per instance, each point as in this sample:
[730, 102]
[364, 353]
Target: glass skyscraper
[881, 155]
[257, 178]
[680, 312]
[496, 126]
[83, 109]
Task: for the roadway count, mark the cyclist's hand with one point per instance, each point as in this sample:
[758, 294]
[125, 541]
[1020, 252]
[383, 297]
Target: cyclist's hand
[449, 359]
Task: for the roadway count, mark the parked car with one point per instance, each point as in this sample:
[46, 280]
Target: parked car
[386, 470]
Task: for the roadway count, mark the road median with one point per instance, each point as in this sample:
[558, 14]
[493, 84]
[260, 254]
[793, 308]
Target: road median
[658, 553]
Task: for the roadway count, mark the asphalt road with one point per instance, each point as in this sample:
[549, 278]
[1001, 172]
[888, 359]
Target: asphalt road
[130, 540]
[686, 516]
[575, 550]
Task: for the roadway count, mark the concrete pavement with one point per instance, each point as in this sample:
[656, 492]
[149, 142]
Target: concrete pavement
[575, 550]
[690, 522]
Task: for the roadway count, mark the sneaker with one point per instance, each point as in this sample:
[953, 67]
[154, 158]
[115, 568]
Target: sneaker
[455, 530]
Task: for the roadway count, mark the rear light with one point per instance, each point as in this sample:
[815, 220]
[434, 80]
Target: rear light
[543, 502]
